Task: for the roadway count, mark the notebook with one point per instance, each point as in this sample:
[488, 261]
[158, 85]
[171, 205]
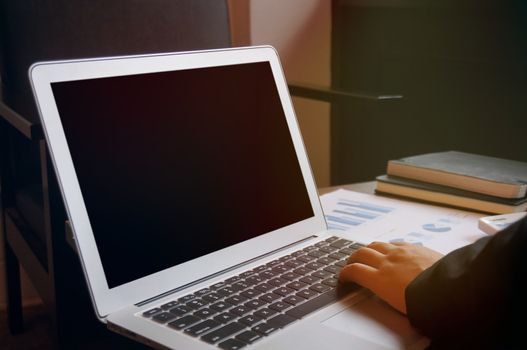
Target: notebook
[193, 205]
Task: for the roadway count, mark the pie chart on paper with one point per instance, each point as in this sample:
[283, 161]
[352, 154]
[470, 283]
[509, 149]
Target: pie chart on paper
[437, 227]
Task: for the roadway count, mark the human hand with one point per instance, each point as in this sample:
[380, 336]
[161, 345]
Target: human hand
[387, 269]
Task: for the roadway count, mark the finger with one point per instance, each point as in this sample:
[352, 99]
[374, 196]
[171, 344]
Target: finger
[381, 247]
[402, 243]
[367, 256]
[359, 273]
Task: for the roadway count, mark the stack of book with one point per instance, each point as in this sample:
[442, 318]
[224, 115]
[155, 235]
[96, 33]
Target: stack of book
[458, 179]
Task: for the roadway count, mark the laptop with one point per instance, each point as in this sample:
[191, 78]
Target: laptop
[193, 206]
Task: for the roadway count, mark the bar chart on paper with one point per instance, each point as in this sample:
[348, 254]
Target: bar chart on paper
[348, 213]
[367, 218]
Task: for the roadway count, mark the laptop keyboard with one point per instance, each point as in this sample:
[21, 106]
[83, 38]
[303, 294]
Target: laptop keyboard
[245, 308]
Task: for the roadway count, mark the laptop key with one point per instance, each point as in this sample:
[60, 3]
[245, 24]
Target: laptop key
[250, 320]
[232, 344]
[221, 306]
[205, 313]
[255, 303]
[332, 239]
[332, 282]
[297, 253]
[169, 305]
[293, 263]
[321, 288]
[240, 285]
[249, 337]
[273, 263]
[212, 297]
[202, 292]
[314, 265]
[226, 291]
[202, 327]
[240, 310]
[233, 279]
[357, 246]
[347, 251]
[269, 297]
[341, 243]
[164, 317]
[264, 329]
[280, 321]
[152, 312]
[280, 269]
[184, 322]
[265, 275]
[322, 274]
[294, 300]
[302, 271]
[328, 249]
[196, 303]
[265, 313]
[251, 293]
[334, 269]
[289, 276]
[277, 282]
[263, 287]
[253, 280]
[218, 285]
[313, 304]
[236, 299]
[285, 258]
[246, 274]
[297, 285]
[225, 317]
[337, 256]
[279, 306]
[307, 294]
[180, 310]
[305, 258]
[317, 253]
[325, 261]
[223, 332]
[186, 298]
[342, 262]
[283, 291]
[309, 248]
[309, 279]
[259, 268]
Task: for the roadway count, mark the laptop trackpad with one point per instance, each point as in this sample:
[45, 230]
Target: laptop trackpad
[376, 322]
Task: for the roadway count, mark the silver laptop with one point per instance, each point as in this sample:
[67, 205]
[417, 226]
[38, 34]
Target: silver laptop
[193, 206]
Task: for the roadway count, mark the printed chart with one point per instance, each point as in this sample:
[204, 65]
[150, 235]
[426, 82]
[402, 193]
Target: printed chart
[366, 218]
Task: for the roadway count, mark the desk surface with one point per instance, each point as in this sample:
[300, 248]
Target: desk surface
[363, 187]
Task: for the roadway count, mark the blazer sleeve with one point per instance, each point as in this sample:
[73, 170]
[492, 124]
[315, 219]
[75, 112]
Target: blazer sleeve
[474, 289]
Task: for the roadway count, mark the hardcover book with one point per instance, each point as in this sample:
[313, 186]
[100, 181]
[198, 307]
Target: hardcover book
[475, 173]
[434, 193]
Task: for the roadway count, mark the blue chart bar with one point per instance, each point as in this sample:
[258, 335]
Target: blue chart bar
[357, 213]
[366, 206]
[346, 221]
[336, 227]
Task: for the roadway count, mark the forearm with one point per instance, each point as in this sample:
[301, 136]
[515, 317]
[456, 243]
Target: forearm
[470, 288]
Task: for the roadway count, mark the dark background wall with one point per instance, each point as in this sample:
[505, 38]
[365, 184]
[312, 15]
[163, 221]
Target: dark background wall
[461, 66]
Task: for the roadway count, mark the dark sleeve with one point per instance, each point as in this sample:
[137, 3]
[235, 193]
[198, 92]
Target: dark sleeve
[474, 289]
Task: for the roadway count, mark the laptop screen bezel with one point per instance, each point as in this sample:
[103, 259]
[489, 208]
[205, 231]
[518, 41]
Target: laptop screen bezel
[107, 300]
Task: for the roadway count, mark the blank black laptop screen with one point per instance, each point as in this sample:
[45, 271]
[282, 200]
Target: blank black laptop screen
[175, 165]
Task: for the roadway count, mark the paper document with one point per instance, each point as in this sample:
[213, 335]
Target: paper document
[367, 218]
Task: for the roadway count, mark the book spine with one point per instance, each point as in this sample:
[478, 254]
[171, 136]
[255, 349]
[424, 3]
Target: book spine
[448, 199]
[445, 178]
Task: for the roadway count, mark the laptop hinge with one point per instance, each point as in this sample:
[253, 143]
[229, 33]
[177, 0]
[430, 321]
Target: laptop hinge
[193, 283]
